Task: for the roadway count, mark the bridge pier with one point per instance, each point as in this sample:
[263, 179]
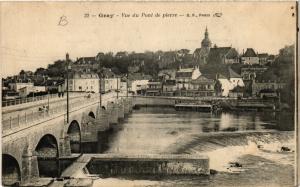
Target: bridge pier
[91, 127]
[120, 110]
[102, 120]
[30, 170]
[130, 105]
[113, 113]
[64, 146]
[126, 107]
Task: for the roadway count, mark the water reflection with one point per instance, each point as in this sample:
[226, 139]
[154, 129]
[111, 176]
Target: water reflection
[153, 130]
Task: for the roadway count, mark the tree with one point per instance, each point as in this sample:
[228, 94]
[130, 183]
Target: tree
[41, 71]
[284, 68]
[57, 69]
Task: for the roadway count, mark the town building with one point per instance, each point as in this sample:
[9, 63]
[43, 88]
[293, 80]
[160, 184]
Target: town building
[271, 59]
[223, 55]
[52, 85]
[123, 85]
[237, 92]
[110, 81]
[139, 86]
[267, 81]
[263, 58]
[83, 82]
[249, 72]
[184, 76]
[223, 86]
[250, 57]
[169, 87]
[268, 93]
[235, 78]
[138, 83]
[110, 84]
[227, 81]
[167, 74]
[202, 87]
[25, 91]
[201, 54]
[85, 64]
[16, 86]
[154, 87]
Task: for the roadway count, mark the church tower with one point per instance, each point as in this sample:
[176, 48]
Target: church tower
[206, 43]
[201, 54]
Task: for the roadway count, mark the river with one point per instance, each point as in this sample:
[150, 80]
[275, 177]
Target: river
[254, 140]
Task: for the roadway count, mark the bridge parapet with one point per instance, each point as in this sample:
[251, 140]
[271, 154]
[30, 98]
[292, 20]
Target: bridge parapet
[12, 123]
[26, 119]
[33, 100]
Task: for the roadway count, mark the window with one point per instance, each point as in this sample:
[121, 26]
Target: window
[80, 88]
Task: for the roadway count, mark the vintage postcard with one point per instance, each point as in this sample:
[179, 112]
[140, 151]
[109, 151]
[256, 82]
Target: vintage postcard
[149, 94]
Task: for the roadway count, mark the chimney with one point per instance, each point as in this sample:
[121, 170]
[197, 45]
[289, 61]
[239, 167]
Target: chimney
[243, 51]
[67, 57]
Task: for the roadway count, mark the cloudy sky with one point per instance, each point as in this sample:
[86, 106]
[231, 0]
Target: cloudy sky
[33, 36]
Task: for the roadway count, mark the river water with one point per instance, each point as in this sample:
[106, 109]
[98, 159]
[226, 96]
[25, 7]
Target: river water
[254, 140]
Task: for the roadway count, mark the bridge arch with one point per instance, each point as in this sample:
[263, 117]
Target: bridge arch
[11, 173]
[74, 134]
[91, 114]
[47, 156]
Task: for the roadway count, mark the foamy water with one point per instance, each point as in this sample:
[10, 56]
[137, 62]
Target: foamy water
[228, 138]
[221, 158]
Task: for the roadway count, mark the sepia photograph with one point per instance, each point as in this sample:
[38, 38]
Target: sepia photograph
[142, 94]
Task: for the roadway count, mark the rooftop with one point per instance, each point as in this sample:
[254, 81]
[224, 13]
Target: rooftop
[85, 60]
[250, 53]
[202, 79]
[79, 75]
[263, 55]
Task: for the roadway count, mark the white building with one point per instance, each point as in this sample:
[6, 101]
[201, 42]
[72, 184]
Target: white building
[84, 82]
[110, 84]
[138, 85]
[226, 86]
[250, 57]
[25, 91]
[18, 85]
[235, 79]
[229, 83]
[123, 86]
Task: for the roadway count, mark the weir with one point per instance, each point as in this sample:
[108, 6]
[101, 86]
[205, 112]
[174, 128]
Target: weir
[152, 164]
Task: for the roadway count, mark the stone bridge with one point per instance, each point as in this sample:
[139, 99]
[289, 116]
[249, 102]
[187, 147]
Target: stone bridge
[34, 136]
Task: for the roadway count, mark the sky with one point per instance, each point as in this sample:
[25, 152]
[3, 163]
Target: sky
[35, 34]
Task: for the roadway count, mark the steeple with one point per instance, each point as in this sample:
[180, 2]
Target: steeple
[206, 33]
[206, 43]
